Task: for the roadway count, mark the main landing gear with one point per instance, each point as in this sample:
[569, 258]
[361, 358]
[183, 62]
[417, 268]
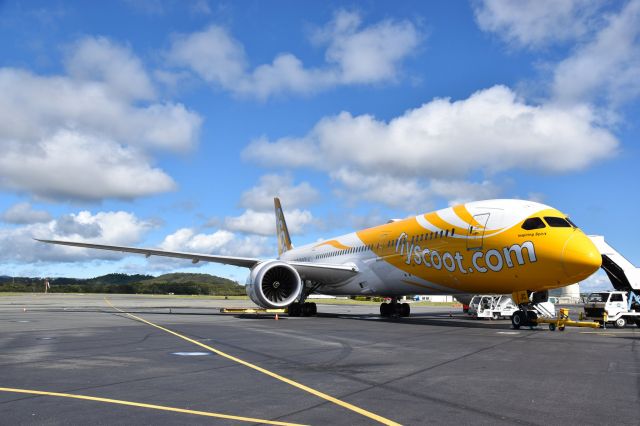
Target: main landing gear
[302, 308]
[394, 309]
[306, 309]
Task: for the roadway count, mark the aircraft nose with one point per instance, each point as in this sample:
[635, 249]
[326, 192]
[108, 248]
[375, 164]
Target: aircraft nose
[580, 257]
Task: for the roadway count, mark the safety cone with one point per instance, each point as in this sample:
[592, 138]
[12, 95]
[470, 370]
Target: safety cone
[276, 317]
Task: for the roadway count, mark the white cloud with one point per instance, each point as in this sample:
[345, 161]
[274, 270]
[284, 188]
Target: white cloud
[536, 23]
[603, 63]
[414, 194]
[430, 151]
[23, 213]
[75, 166]
[354, 55]
[366, 55]
[260, 197]
[114, 228]
[491, 131]
[607, 66]
[99, 60]
[99, 113]
[264, 223]
[221, 242]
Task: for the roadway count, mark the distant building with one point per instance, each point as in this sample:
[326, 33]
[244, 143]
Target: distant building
[567, 295]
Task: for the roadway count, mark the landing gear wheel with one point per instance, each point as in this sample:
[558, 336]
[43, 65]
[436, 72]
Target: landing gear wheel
[294, 310]
[306, 310]
[620, 323]
[385, 309]
[518, 319]
[314, 308]
[405, 310]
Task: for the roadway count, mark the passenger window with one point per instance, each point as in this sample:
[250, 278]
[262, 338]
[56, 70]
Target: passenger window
[533, 223]
[557, 222]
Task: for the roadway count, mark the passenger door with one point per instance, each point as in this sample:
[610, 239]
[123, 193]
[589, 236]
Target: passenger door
[475, 234]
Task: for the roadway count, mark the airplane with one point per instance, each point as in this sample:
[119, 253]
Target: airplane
[501, 246]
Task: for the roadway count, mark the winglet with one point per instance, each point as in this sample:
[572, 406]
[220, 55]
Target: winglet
[284, 241]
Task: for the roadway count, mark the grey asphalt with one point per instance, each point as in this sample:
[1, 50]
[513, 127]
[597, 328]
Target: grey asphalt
[432, 368]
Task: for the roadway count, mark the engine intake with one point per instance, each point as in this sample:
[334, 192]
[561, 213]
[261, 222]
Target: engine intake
[273, 284]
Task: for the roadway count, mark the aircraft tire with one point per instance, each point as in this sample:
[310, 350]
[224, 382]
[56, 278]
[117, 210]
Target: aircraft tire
[518, 319]
[309, 309]
[405, 310]
[384, 309]
[294, 310]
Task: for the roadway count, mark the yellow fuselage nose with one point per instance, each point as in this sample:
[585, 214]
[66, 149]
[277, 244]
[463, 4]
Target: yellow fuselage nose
[580, 257]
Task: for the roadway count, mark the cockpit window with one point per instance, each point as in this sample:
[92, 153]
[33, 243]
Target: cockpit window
[557, 222]
[533, 223]
[572, 224]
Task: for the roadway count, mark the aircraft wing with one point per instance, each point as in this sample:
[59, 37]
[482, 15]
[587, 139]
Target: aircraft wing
[246, 262]
[324, 273]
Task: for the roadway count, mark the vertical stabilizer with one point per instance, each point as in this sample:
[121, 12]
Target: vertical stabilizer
[284, 242]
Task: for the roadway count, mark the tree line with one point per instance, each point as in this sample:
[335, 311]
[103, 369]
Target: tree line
[177, 283]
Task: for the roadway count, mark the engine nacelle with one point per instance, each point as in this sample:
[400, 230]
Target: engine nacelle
[273, 284]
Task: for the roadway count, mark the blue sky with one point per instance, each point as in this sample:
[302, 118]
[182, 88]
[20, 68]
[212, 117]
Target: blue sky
[173, 124]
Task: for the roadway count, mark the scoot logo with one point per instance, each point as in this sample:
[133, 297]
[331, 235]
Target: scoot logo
[481, 261]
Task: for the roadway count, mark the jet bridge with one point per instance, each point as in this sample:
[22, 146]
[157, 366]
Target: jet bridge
[623, 274]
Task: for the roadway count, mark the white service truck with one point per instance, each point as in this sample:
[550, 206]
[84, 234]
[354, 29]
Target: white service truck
[491, 306]
[620, 307]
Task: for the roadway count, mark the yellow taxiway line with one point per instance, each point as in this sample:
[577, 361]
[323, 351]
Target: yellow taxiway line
[152, 406]
[276, 376]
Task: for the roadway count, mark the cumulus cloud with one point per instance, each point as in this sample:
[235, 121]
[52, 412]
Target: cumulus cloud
[100, 113]
[604, 59]
[607, 66]
[492, 130]
[220, 242]
[114, 228]
[260, 197]
[71, 165]
[536, 23]
[264, 223]
[411, 193]
[432, 149]
[354, 55]
[24, 213]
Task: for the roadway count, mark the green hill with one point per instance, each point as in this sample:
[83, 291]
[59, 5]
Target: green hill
[176, 283]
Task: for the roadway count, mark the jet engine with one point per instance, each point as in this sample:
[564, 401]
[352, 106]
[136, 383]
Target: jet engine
[273, 284]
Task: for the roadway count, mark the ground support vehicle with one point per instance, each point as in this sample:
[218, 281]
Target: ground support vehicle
[495, 307]
[562, 321]
[617, 307]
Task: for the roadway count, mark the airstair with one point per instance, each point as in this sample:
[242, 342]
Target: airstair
[623, 274]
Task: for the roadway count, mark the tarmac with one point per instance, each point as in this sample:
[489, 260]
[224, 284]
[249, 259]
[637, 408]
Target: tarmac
[130, 359]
